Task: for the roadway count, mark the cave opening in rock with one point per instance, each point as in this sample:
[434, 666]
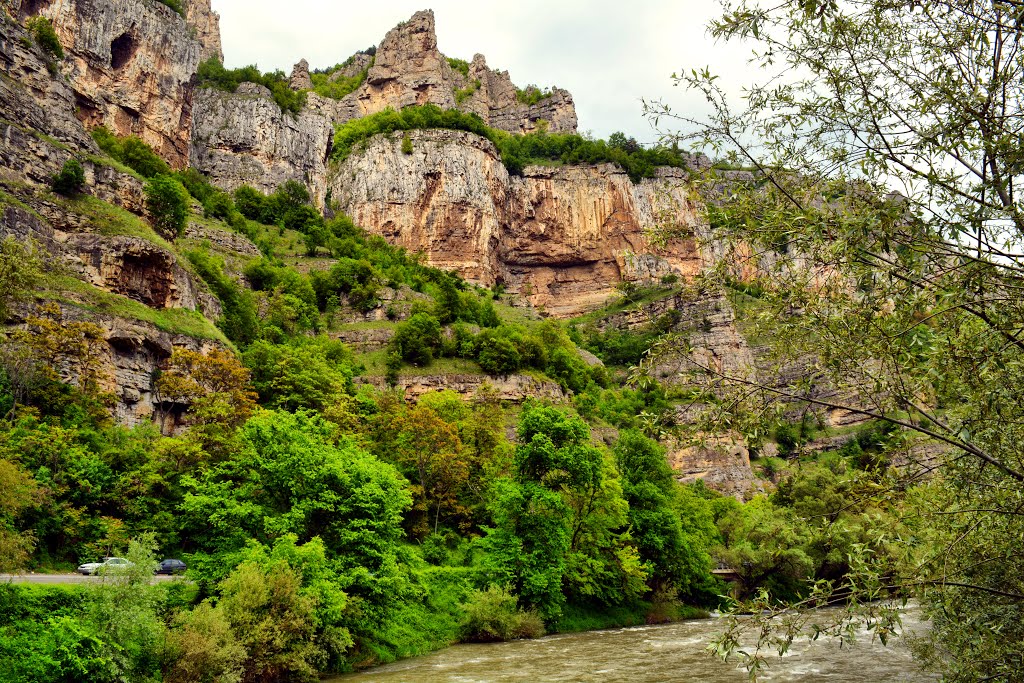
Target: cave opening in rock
[31, 8]
[122, 49]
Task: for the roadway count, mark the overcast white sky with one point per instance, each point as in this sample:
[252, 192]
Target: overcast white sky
[608, 53]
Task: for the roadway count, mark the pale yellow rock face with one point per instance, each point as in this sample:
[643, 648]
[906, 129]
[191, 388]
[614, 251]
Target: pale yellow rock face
[563, 237]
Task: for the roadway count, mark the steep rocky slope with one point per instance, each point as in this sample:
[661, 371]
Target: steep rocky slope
[131, 64]
[106, 265]
[563, 237]
[244, 138]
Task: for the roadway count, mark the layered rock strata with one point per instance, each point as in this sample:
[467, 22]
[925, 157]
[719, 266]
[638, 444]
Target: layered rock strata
[513, 388]
[563, 237]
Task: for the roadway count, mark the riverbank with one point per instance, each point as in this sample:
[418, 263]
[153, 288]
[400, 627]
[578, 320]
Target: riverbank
[648, 654]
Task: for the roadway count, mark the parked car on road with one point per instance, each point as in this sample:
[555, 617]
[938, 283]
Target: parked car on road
[108, 563]
[170, 566]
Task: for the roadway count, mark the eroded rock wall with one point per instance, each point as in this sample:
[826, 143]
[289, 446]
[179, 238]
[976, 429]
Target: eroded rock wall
[244, 138]
[563, 237]
[131, 64]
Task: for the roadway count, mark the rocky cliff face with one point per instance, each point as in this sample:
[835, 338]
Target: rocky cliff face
[408, 69]
[96, 266]
[244, 138]
[131, 64]
[563, 237]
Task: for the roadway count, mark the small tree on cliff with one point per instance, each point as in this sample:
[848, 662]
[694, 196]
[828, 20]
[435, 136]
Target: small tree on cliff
[167, 203]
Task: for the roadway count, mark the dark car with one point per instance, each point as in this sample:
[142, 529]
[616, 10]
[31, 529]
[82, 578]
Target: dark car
[170, 566]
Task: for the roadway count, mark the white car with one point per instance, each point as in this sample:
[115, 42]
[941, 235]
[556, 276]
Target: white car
[107, 564]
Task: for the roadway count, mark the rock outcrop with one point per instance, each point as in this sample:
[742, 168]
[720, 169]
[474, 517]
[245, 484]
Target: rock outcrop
[206, 24]
[408, 69]
[513, 388]
[243, 138]
[131, 65]
[563, 237]
[300, 79]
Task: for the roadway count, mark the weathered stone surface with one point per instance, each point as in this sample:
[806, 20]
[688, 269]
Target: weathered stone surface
[244, 138]
[133, 350]
[514, 388]
[31, 99]
[221, 239]
[408, 69]
[206, 24]
[357, 63]
[139, 270]
[496, 101]
[131, 64]
[722, 463]
[561, 236]
[300, 79]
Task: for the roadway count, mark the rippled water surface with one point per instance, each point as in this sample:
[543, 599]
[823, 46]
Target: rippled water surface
[647, 654]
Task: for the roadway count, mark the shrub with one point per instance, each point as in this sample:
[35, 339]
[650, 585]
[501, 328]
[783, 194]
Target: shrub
[497, 355]
[406, 144]
[460, 65]
[45, 36]
[417, 338]
[212, 74]
[132, 152]
[174, 5]
[167, 202]
[70, 178]
[493, 615]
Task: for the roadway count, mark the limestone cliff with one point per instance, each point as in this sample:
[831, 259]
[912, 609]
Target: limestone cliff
[131, 64]
[244, 138]
[105, 263]
[409, 69]
[563, 237]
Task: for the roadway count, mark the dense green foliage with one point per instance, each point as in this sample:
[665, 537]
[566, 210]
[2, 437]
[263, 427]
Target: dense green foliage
[531, 95]
[132, 152]
[70, 179]
[329, 84]
[46, 37]
[174, 5]
[212, 74]
[517, 151]
[167, 203]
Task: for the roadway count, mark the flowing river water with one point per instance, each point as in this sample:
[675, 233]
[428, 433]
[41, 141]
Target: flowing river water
[649, 654]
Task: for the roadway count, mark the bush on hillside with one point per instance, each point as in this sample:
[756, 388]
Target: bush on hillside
[70, 178]
[167, 203]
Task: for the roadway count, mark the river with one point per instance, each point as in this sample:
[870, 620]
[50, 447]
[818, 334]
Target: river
[649, 654]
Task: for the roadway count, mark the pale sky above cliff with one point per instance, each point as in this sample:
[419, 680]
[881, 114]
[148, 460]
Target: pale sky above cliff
[608, 53]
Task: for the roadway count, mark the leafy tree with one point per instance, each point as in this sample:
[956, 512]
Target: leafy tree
[167, 203]
[416, 339]
[677, 559]
[313, 373]
[529, 546]
[215, 387]
[18, 491]
[293, 476]
[20, 270]
[914, 313]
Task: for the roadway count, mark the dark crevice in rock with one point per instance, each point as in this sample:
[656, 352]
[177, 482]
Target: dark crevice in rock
[122, 49]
